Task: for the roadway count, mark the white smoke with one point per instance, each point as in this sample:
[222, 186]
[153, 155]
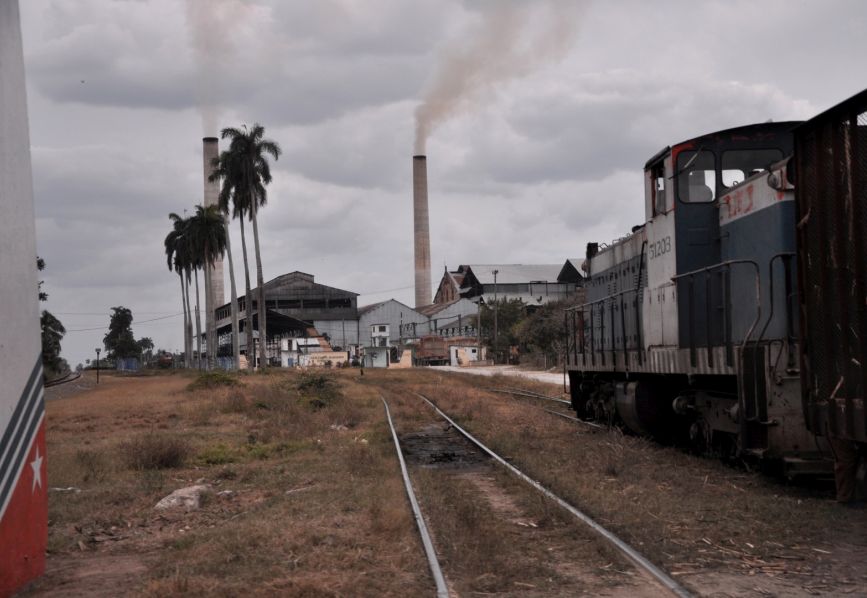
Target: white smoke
[511, 40]
[211, 23]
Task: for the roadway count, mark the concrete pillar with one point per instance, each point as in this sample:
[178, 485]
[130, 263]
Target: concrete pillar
[23, 483]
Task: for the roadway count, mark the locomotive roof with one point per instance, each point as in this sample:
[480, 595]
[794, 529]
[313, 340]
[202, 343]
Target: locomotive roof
[754, 132]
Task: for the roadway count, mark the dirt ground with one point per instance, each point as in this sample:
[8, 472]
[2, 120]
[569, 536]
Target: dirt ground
[305, 497]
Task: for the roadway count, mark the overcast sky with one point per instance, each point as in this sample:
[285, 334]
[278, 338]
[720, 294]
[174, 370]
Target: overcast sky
[528, 169]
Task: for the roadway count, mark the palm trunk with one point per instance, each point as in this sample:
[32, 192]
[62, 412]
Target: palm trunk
[198, 326]
[210, 322]
[184, 307]
[263, 330]
[248, 302]
[236, 342]
[189, 332]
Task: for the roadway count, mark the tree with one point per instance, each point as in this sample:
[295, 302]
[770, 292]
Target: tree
[229, 198]
[544, 330]
[247, 173]
[509, 313]
[206, 231]
[119, 341]
[52, 333]
[178, 259]
[145, 347]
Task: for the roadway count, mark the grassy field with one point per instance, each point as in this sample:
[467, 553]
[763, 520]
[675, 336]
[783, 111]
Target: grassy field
[304, 497]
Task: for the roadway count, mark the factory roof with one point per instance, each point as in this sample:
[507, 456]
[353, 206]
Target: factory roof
[513, 273]
[374, 306]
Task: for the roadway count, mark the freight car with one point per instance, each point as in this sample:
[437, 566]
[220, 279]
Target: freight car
[691, 324]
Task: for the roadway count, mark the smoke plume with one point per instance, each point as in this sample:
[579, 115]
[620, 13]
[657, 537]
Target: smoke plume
[511, 40]
[210, 23]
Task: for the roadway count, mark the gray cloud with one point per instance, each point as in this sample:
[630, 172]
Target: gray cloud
[542, 165]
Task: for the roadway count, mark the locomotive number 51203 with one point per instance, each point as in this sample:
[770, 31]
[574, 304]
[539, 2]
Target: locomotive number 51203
[660, 247]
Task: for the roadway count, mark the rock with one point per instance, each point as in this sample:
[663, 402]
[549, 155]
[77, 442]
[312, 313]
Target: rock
[226, 493]
[338, 427]
[189, 498]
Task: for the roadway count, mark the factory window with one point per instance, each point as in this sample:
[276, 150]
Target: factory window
[739, 165]
[314, 303]
[696, 177]
[340, 303]
[288, 304]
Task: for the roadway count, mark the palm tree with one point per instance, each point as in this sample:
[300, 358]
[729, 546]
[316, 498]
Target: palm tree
[177, 259]
[222, 166]
[247, 172]
[207, 239]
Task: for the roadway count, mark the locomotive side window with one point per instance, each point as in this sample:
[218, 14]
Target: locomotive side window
[696, 179]
[739, 165]
[657, 175]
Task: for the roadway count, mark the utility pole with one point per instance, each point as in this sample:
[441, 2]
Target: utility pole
[496, 344]
[97, 366]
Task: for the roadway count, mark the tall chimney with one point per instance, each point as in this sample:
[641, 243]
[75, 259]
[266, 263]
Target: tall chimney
[211, 150]
[421, 228]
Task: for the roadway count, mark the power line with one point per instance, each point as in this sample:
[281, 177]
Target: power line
[106, 313]
[388, 290]
[139, 322]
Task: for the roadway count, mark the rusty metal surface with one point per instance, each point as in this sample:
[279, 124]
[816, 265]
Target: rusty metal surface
[831, 200]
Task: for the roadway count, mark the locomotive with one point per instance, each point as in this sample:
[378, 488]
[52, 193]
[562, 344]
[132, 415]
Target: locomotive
[734, 318]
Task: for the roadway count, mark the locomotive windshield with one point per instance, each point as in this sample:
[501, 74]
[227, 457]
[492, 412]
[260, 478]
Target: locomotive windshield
[739, 165]
[696, 179]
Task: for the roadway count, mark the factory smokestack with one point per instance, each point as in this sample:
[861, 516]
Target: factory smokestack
[210, 151]
[421, 229]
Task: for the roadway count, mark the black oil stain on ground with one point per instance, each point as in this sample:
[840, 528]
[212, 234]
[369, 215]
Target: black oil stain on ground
[441, 446]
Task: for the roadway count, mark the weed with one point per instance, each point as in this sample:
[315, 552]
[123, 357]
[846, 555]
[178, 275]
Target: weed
[211, 380]
[235, 403]
[155, 451]
[218, 454]
[93, 463]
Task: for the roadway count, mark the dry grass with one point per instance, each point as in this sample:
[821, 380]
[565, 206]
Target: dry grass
[687, 513]
[316, 502]
[317, 507]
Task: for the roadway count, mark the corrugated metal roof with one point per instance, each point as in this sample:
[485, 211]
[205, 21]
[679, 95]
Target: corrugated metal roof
[515, 273]
[435, 308]
[371, 307]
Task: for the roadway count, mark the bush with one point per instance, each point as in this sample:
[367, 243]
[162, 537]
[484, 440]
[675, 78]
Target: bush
[318, 390]
[218, 454]
[155, 451]
[210, 380]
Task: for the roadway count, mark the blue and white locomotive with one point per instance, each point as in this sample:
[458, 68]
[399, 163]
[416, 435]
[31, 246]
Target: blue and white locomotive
[689, 326]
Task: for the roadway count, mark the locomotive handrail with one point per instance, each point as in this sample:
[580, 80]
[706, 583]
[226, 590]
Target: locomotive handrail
[707, 270]
[582, 307]
[789, 325]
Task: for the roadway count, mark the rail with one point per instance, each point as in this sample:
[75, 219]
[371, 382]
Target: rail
[534, 395]
[433, 563]
[628, 551]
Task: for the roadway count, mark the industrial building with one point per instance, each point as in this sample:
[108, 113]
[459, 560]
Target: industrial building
[306, 318]
[534, 284]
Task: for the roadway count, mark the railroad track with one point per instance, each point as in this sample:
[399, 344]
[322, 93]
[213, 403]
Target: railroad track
[535, 395]
[631, 554]
[70, 377]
